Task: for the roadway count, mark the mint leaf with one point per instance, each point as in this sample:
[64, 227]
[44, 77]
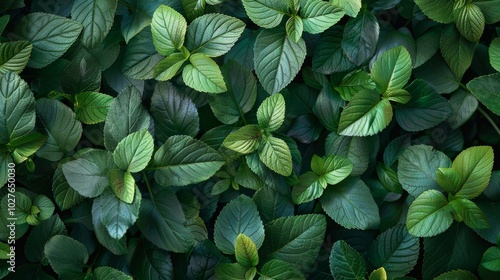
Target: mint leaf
[133, 152]
[474, 165]
[392, 70]
[484, 89]
[276, 155]
[360, 37]
[469, 20]
[271, 113]
[92, 107]
[457, 51]
[203, 74]
[245, 140]
[267, 14]
[246, 251]
[66, 264]
[168, 28]
[429, 214]
[346, 263]
[319, 16]
[14, 56]
[439, 11]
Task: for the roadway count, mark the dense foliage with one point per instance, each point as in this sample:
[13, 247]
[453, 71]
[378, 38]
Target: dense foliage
[252, 139]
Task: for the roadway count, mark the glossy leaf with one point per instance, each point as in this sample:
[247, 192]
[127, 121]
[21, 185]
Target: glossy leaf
[346, 262]
[392, 70]
[92, 107]
[245, 140]
[267, 14]
[319, 16]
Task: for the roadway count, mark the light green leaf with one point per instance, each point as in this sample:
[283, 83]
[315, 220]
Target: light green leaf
[366, 114]
[123, 184]
[351, 7]
[96, 17]
[490, 10]
[168, 67]
[140, 57]
[133, 152]
[295, 240]
[392, 70]
[245, 140]
[491, 259]
[346, 262]
[318, 16]
[246, 251]
[456, 274]
[25, 146]
[271, 113]
[395, 250]
[265, 13]
[168, 28]
[203, 74]
[334, 169]
[17, 108]
[213, 34]
[14, 56]
[449, 179]
[125, 116]
[137, 17]
[485, 88]
[457, 51]
[439, 10]
[183, 160]
[66, 263]
[61, 126]
[379, 274]
[474, 165]
[277, 59]
[50, 35]
[106, 273]
[276, 155]
[417, 167]
[92, 107]
[470, 213]
[463, 105]
[239, 216]
[351, 204]
[353, 83]
[309, 188]
[294, 28]
[162, 222]
[360, 37]
[469, 20]
[429, 214]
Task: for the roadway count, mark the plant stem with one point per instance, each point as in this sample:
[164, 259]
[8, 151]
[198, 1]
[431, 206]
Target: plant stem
[148, 185]
[490, 120]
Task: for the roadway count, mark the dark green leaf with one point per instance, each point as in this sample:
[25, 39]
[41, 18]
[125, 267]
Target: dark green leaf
[34, 249]
[327, 108]
[360, 38]
[457, 51]
[276, 269]
[469, 20]
[329, 56]
[463, 105]
[140, 57]
[105, 273]
[66, 263]
[439, 11]
[97, 18]
[484, 89]
[319, 16]
[346, 263]
[457, 274]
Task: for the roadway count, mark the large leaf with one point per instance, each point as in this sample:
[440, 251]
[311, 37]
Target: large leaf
[417, 168]
[62, 128]
[457, 51]
[240, 216]
[14, 56]
[125, 116]
[265, 13]
[392, 70]
[429, 214]
[168, 28]
[92, 107]
[66, 263]
[360, 37]
[17, 108]
[485, 89]
[351, 204]
[463, 105]
[271, 112]
[133, 152]
[137, 16]
[474, 165]
[96, 17]
[183, 160]
[346, 262]
[162, 222]
[366, 114]
[275, 154]
[203, 74]
[50, 35]
[396, 250]
[295, 240]
[318, 16]
[469, 20]
[277, 59]
[352, 8]
[439, 11]
[213, 34]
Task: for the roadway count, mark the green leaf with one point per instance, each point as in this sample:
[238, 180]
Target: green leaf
[106, 272]
[277, 59]
[169, 67]
[449, 179]
[230, 271]
[64, 195]
[429, 214]
[61, 126]
[149, 262]
[276, 269]
[353, 83]
[239, 216]
[295, 240]
[213, 34]
[334, 169]
[17, 108]
[439, 10]
[183, 160]
[457, 274]
[168, 28]
[392, 70]
[438, 74]
[245, 140]
[490, 10]
[125, 116]
[425, 109]
[327, 108]
[474, 165]
[395, 250]
[493, 51]
[266, 14]
[88, 175]
[457, 51]
[34, 249]
[491, 259]
[358, 150]
[26, 145]
[294, 28]
[246, 251]
[14, 56]
[389, 178]
[162, 222]
[318, 16]
[66, 263]
[469, 20]
[140, 57]
[427, 45]
[50, 35]
[123, 184]
[352, 8]
[463, 105]
[346, 262]
[276, 155]
[417, 167]
[366, 114]
[240, 96]
[351, 205]
[92, 107]
[134, 152]
[470, 213]
[4, 20]
[329, 56]
[484, 88]
[271, 112]
[360, 37]
[379, 274]
[82, 74]
[203, 74]
[96, 17]
[116, 246]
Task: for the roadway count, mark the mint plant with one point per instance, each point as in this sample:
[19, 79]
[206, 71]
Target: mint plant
[251, 139]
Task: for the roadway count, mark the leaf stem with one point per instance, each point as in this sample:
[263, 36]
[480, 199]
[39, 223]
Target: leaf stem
[490, 120]
[148, 185]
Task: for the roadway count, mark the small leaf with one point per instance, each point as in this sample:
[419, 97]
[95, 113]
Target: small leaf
[470, 213]
[246, 251]
[271, 112]
[133, 153]
[474, 165]
[266, 14]
[491, 259]
[353, 83]
[470, 21]
[485, 89]
[14, 56]
[92, 107]
[203, 74]
[66, 263]
[123, 184]
[346, 263]
[276, 155]
[294, 28]
[318, 16]
[378, 274]
[169, 67]
[245, 140]
[352, 8]
[168, 28]
[392, 70]
[26, 145]
[449, 179]
[429, 214]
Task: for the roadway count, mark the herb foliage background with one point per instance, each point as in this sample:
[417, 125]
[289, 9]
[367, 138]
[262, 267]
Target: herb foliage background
[252, 139]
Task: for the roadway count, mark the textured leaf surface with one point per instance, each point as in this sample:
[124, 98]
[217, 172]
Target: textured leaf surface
[276, 269]
[319, 16]
[429, 214]
[392, 70]
[271, 112]
[360, 37]
[64, 262]
[494, 53]
[484, 88]
[275, 154]
[203, 74]
[470, 21]
[133, 152]
[246, 251]
[346, 262]
[475, 165]
[245, 140]
[265, 13]
[96, 17]
[92, 107]
[437, 10]
[457, 51]
[14, 56]
[168, 28]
